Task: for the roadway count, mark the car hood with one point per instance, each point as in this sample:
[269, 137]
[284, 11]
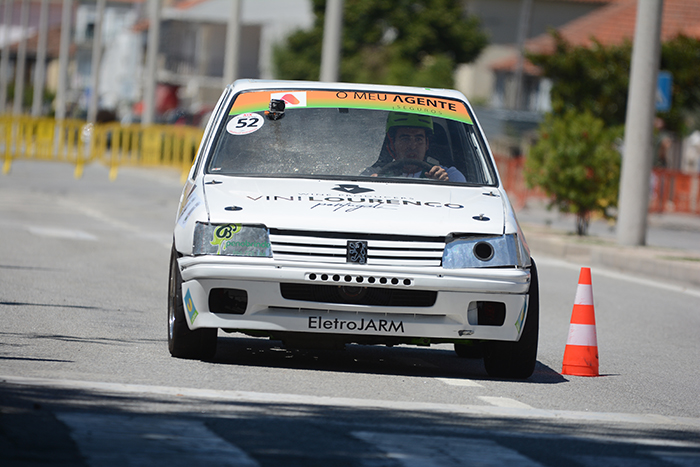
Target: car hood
[358, 207]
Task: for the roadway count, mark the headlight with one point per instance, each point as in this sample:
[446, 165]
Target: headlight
[480, 251]
[231, 240]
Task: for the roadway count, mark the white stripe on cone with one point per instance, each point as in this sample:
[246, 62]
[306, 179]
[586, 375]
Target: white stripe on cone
[584, 295]
[582, 334]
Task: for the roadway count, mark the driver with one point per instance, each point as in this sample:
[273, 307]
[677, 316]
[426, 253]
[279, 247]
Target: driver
[408, 139]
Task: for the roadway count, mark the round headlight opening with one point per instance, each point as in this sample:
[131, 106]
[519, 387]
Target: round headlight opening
[483, 251]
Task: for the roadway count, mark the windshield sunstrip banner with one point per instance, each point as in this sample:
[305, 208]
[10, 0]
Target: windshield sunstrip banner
[258, 101]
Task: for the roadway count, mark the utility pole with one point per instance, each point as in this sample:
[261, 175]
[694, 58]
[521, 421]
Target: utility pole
[40, 66]
[5, 59]
[95, 65]
[639, 125]
[332, 35]
[523, 32]
[149, 89]
[63, 52]
[21, 58]
[233, 41]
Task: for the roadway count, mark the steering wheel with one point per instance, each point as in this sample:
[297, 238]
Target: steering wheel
[397, 167]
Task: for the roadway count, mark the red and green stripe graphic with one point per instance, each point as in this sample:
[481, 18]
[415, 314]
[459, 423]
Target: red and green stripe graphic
[258, 101]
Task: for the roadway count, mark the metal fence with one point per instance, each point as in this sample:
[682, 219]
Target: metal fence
[112, 144]
[670, 191]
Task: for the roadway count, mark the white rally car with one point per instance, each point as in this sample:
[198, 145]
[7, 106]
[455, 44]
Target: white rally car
[322, 214]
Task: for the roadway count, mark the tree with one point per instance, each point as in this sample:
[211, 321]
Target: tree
[589, 88]
[410, 42]
[592, 79]
[596, 79]
[681, 56]
[577, 163]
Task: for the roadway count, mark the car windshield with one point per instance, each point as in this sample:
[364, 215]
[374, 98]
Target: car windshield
[350, 135]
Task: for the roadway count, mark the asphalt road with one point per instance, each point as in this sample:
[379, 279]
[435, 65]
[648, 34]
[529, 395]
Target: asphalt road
[86, 379]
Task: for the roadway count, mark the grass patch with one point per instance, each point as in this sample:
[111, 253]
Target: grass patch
[681, 258]
[590, 240]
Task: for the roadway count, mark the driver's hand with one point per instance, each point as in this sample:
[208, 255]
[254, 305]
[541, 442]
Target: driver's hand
[437, 173]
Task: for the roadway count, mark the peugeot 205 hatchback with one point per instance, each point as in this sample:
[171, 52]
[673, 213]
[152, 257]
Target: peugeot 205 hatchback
[324, 214]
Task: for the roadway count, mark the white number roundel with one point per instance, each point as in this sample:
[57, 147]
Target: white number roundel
[244, 124]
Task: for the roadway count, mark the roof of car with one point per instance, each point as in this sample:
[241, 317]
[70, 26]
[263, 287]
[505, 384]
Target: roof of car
[254, 84]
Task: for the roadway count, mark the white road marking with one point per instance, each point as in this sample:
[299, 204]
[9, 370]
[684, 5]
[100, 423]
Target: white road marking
[460, 382]
[681, 459]
[613, 461]
[98, 216]
[259, 397]
[661, 442]
[117, 440]
[505, 402]
[56, 232]
[115, 223]
[440, 451]
[597, 270]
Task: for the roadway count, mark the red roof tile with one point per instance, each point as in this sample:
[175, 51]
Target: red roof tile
[509, 64]
[187, 4]
[614, 23]
[53, 40]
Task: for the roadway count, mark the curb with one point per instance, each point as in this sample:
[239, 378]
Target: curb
[679, 267]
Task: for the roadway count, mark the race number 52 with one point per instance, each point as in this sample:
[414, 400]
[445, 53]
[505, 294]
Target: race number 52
[244, 124]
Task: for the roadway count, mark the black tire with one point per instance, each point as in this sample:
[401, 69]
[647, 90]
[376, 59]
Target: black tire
[472, 350]
[183, 342]
[516, 360]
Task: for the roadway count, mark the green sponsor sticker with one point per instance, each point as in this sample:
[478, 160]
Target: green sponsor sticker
[232, 240]
[223, 233]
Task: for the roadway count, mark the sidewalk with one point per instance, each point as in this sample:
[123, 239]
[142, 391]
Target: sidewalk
[672, 254]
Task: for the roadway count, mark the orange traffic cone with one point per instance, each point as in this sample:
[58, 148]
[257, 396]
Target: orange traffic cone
[581, 353]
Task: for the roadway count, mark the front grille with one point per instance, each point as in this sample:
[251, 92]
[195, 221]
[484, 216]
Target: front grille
[382, 250]
[353, 295]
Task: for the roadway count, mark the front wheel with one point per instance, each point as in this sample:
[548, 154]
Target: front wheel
[183, 342]
[516, 360]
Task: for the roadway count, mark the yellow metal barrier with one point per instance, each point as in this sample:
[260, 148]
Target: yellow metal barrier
[6, 129]
[113, 144]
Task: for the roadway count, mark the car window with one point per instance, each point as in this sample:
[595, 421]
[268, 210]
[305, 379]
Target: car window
[330, 137]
